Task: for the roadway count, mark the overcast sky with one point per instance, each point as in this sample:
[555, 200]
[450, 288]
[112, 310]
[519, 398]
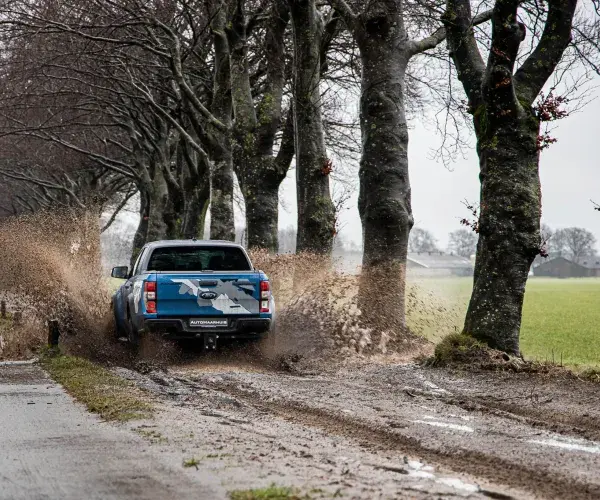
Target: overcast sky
[569, 172]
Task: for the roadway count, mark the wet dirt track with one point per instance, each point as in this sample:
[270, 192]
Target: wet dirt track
[389, 431]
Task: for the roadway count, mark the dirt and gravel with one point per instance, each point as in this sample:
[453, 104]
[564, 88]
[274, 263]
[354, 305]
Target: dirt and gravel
[363, 429]
[382, 429]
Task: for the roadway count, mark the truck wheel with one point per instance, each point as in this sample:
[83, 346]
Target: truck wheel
[118, 329]
[133, 336]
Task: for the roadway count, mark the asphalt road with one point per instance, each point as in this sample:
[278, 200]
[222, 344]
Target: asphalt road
[51, 448]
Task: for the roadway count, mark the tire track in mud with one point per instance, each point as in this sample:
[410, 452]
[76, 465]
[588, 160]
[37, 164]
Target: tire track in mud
[553, 421]
[370, 435]
[567, 421]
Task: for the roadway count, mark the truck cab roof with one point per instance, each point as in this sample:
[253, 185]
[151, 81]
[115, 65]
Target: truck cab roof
[192, 243]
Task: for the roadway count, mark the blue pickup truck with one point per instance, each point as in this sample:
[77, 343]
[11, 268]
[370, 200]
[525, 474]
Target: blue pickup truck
[190, 289]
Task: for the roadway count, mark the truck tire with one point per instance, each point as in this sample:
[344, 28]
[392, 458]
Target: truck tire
[118, 328]
[132, 335]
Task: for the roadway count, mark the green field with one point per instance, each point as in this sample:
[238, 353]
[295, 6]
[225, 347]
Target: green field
[560, 317]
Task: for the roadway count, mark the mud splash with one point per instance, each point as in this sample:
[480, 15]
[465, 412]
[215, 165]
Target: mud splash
[51, 270]
[320, 323]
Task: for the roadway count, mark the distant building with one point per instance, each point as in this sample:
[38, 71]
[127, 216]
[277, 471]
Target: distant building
[421, 264]
[561, 267]
[438, 264]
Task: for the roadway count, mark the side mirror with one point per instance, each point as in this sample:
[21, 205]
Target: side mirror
[121, 272]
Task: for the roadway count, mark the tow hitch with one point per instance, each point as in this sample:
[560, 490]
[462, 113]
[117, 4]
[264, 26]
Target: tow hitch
[210, 341]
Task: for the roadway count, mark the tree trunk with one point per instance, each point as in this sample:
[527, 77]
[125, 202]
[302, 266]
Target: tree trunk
[384, 198]
[262, 210]
[259, 172]
[141, 234]
[221, 179]
[316, 213]
[507, 127]
[158, 199]
[194, 214]
[509, 226]
[221, 196]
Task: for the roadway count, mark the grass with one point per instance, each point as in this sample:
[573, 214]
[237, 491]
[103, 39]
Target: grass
[191, 462]
[19, 341]
[457, 347]
[272, 492]
[153, 436]
[561, 318]
[113, 284]
[111, 397]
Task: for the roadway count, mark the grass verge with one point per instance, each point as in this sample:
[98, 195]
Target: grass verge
[102, 392]
[457, 348]
[272, 492]
[560, 318]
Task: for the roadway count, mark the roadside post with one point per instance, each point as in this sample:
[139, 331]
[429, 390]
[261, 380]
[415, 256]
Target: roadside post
[53, 333]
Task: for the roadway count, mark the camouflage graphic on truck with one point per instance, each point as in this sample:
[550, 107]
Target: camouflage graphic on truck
[225, 296]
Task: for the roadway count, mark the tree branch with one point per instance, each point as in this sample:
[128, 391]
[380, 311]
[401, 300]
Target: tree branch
[438, 36]
[531, 77]
[348, 15]
[507, 35]
[43, 184]
[463, 47]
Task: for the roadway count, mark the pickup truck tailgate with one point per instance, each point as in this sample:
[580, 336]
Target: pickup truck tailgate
[207, 294]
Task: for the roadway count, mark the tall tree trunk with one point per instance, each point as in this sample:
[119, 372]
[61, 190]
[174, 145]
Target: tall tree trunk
[260, 176]
[262, 211]
[507, 128]
[221, 179]
[194, 214]
[141, 234]
[158, 200]
[221, 194]
[509, 226]
[259, 172]
[384, 198]
[316, 213]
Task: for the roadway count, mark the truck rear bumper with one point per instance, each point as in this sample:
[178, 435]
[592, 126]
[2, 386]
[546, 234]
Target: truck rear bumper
[179, 329]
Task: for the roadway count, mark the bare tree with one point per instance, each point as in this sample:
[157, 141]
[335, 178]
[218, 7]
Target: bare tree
[462, 242]
[316, 213]
[573, 243]
[153, 86]
[387, 42]
[507, 124]
[260, 117]
[422, 240]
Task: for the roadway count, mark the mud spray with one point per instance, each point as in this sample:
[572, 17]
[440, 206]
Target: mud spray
[320, 324]
[51, 269]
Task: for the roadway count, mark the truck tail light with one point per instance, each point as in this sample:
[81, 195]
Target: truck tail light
[265, 295]
[150, 296]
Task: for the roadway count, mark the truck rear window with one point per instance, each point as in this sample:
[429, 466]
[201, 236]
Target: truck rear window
[193, 259]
